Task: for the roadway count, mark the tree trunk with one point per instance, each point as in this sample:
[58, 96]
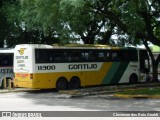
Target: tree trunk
[88, 40]
[155, 68]
[155, 71]
[155, 62]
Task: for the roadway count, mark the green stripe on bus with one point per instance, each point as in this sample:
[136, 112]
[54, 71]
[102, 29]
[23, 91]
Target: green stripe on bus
[112, 71]
[115, 73]
[120, 71]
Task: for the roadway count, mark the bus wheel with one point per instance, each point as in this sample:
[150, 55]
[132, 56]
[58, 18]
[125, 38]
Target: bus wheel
[61, 84]
[74, 83]
[133, 79]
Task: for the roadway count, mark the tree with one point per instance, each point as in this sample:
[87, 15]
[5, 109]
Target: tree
[4, 25]
[13, 28]
[44, 17]
[138, 19]
[71, 20]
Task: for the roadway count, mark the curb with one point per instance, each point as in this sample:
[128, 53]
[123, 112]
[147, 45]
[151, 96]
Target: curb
[17, 90]
[107, 89]
[75, 93]
[137, 96]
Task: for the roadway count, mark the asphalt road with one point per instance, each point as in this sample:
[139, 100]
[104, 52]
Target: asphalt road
[52, 101]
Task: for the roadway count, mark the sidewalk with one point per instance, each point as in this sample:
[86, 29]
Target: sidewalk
[109, 90]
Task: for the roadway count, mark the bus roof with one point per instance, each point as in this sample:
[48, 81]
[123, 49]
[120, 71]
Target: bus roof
[35, 45]
[6, 50]
[76, 46]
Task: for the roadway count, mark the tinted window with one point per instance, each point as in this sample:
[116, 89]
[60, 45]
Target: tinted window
[124, 55]
[80, 55]
[6, 59]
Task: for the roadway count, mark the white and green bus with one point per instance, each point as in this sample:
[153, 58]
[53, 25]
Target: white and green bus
[69, 67]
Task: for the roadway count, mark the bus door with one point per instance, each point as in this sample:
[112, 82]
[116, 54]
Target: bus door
[144, 65]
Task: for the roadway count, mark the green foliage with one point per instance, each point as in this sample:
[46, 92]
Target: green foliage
[6, 25]
[89, 20]
[69, 19]
[39, 13]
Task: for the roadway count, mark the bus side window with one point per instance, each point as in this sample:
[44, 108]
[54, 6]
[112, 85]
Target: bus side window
[125, 56]
[84, 56]
[42, 56]
[108, 56]
[101, 56]
[114, 56]
[92, 55]
[88, 55]
[67, 56]
[58, 56]
[75, 55]
[133, 55]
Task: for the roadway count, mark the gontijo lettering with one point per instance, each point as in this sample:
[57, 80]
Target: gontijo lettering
[82, 66]
[21, 57]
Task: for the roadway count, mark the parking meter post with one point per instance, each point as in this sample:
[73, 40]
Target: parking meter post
[10, 84]
[4, 83]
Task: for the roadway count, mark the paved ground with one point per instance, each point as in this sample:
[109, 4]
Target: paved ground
[52, 101]
[29, 100]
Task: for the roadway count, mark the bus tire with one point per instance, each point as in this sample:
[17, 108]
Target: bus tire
[74, 83]
[133, 79]
[61, 84]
